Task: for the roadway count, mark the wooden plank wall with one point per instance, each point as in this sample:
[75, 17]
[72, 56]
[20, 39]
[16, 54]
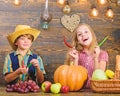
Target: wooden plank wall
[49, 45]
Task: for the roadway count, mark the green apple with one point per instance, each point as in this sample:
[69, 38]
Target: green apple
[59, 84]
[99, 74]
[55, 88]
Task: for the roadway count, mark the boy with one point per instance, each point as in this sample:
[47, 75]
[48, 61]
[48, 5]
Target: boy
[17, 64]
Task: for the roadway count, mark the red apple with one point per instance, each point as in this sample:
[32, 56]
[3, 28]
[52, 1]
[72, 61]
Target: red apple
[46, 86]
[65, 89]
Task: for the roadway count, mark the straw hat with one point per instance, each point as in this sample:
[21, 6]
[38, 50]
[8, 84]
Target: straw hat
[21, 30]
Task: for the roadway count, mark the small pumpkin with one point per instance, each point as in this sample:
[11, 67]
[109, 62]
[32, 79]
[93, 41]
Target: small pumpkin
[71, 75]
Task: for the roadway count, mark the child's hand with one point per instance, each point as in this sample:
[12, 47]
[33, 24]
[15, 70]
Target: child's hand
[34, 62]
[22, 70]
[74, 54]
[97, 51]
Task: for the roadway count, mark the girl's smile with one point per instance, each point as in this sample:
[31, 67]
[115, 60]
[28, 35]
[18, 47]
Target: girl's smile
[84, 36]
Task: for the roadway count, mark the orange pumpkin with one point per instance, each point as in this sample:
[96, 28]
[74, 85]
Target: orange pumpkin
[71, 75]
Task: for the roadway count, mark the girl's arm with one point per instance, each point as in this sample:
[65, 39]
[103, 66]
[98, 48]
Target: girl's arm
[73, 56]
[100, 64]
[100, 59]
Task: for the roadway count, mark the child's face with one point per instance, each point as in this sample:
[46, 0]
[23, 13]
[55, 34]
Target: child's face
[24, 43]
[84, 35]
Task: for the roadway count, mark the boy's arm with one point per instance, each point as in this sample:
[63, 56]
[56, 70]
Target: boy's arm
[40, 71]
[39, 75]
[11, 76]
[14, 75]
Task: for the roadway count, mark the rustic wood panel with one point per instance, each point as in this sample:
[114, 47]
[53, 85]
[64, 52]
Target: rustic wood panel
[49, 45]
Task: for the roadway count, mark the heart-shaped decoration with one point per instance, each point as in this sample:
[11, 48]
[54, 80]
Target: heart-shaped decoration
[70, 22]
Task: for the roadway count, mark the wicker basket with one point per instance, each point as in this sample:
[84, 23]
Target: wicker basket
[108, 86]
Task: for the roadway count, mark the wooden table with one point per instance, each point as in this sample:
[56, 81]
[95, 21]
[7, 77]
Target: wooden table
[84, 92]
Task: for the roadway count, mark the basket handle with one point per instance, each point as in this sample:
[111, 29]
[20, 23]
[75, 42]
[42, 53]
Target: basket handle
[117, 68]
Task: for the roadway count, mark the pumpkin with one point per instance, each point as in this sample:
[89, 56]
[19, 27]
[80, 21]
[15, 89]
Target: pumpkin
[71, 75]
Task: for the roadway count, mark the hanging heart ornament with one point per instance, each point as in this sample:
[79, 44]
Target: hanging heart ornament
[70, 22]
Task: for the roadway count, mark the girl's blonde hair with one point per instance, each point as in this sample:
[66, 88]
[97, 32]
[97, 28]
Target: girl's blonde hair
[78, 46]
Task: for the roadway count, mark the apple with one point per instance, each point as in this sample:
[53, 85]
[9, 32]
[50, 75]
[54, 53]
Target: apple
[55, 88]
[59, 84]
[64, 89]
[99, 74]
[46, 86]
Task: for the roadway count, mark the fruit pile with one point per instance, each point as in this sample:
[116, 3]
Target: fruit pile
[23, 87]
[55, 88]
[99, 74]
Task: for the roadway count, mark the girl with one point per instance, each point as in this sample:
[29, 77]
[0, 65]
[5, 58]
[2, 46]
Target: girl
[86, 51]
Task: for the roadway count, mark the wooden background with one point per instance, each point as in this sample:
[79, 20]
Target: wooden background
[49, 45]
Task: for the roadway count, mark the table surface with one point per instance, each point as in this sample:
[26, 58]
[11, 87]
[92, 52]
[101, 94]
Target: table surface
[84, 92]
